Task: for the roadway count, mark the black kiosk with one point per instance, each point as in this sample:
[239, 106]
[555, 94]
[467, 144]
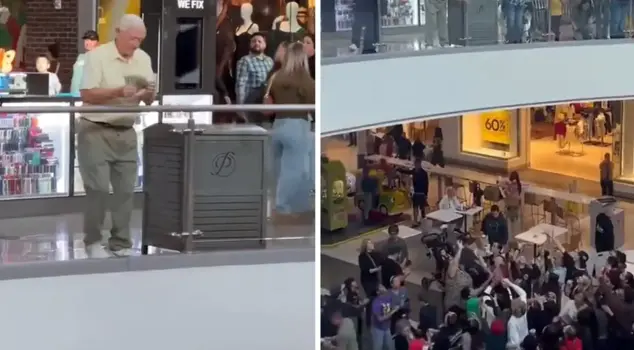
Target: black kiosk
[181, 41]
[181, 37]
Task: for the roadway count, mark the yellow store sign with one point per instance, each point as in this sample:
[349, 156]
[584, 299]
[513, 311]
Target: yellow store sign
[496, 127]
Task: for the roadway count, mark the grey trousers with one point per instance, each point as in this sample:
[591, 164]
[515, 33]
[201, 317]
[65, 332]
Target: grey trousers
[436, 22]
[107, 156]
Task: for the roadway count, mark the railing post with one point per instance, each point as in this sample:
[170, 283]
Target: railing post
[188, 203]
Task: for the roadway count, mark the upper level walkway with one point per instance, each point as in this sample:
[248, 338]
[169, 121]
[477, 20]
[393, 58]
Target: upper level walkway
[364, 91]
[472, 23]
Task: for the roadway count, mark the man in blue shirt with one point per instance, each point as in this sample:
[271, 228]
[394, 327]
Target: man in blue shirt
[420, 182]
[370, 189]
[91, 41]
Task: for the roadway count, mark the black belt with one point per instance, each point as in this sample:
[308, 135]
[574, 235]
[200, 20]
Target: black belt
[110, 126]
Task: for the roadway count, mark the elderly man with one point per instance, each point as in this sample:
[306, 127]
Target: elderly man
[115, 74]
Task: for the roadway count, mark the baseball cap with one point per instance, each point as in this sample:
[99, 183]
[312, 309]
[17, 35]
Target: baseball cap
[91, 35]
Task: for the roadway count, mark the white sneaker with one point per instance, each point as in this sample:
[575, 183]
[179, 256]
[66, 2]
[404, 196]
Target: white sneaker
[123, 252]
[353, 48]
[97, 251]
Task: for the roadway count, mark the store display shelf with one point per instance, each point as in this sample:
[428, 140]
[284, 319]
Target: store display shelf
[11, 197]
[38, 150]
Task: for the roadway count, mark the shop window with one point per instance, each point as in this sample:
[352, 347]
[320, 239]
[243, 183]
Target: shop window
[492, 134]
[189, 48]
[108, 14]
[623, 147]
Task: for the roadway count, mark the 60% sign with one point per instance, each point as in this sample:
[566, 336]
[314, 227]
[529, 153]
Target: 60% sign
[496, 125]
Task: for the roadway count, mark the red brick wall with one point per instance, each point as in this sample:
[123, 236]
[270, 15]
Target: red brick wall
[45, 25]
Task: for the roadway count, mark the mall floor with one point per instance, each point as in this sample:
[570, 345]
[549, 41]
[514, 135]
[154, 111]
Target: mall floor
[59, 238]
[403, 39]
[578, 160]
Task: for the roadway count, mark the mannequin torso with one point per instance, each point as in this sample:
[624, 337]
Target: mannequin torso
[288, 23]
[285, 28]
[243, 33]
[247, 26]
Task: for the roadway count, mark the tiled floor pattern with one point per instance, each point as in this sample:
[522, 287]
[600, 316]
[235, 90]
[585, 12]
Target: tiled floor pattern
[58, 238]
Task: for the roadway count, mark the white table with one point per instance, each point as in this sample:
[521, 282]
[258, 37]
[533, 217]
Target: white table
[469, 215]
[538, 234]
[405, 232]
[444, 215]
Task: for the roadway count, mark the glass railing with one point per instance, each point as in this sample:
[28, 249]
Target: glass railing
[221, 196]
[416, 25]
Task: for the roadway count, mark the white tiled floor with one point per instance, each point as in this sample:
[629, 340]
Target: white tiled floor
[59, 238]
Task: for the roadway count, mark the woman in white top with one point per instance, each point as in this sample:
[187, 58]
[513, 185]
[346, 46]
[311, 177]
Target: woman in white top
[517, 328]
[450, 200]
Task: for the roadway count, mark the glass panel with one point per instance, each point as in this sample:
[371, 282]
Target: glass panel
[627, 142]
[572, 139]
[492, 134]
[108, 14]
[34, 148]
[468, 23]
[189, 50]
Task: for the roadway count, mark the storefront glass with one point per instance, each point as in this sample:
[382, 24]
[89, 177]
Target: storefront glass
[109, 12]
[492, 134]
[623, 150]
[394, 13]
[35, 152]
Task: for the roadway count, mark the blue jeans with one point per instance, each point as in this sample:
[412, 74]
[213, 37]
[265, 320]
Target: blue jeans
[618, 16]
[293, 156]
[514, 22]
[381, 339]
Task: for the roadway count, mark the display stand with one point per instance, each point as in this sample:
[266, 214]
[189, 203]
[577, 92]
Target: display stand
[334, 214]
[218, 172]
[607, 231]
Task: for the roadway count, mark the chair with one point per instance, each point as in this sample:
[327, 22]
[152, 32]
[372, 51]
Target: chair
[459, 188]
[537, 208]
[565, 219]
[572, 216]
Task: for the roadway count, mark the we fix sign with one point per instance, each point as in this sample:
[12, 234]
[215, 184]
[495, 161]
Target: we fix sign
[191, 4]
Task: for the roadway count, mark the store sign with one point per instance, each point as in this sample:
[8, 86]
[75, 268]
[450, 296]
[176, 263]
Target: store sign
[191, 4]
[496, 127]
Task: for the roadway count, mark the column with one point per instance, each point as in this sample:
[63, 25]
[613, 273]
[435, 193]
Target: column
[362, 147]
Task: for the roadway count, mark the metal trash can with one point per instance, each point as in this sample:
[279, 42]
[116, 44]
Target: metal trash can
[224, 199]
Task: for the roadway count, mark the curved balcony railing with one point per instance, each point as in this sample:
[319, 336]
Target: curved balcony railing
[417, 25]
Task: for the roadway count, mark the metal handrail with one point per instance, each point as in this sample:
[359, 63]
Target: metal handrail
[160, 108]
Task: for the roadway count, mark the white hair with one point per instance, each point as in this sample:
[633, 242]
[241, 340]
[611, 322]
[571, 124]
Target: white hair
[130, 21]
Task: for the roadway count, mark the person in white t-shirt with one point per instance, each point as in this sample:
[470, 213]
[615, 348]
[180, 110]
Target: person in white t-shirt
[517, 326]
[450, 200]
[42, 65]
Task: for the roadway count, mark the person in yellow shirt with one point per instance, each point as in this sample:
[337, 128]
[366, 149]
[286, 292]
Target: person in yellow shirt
[117, 73]
[556, 11]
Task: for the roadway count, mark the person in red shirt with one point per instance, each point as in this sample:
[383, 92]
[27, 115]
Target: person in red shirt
[571, 341]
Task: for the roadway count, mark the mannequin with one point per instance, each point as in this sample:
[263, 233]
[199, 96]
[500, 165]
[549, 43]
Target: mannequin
[42, 65]
[288, 23]
[285, 28]
[242, 34]
[599, 126]
[247, 26]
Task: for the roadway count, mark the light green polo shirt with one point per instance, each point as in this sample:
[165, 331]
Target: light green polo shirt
[105, 68]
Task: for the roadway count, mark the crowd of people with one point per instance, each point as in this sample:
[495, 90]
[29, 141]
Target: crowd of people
[494, 297]
[519, 21]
